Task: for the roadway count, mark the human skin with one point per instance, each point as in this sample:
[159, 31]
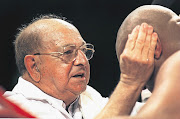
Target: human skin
[164, 102]
[167, 25]
[60, 79]
[140, 47]
[54, 76]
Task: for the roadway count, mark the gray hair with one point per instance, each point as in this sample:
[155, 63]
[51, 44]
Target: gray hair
[28, 41]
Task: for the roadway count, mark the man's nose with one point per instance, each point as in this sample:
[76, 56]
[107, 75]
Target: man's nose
[80, 58]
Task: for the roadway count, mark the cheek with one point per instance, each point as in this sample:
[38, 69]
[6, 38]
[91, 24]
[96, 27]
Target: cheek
[62, 72]
[60, 77]
[56, 72]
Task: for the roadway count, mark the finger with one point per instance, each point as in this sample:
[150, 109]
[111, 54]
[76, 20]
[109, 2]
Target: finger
[147, 43]
[132, 38]
[141, 38]
[153, 46]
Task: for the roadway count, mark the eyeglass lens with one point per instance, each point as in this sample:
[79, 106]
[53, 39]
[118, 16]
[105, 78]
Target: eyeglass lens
[70, 52]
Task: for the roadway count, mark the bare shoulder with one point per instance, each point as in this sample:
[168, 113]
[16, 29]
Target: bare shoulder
[171, 64]
[164, 102]
[175, 57]
[169, 71]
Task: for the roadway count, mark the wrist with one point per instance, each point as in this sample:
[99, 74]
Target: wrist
[132, 82]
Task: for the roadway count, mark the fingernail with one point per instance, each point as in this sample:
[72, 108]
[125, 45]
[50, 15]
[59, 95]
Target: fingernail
[144, 25]
[138, 27]
[150, 29]
[155, 34]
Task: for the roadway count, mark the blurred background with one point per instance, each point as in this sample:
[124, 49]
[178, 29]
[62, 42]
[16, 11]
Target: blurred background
[97, 20]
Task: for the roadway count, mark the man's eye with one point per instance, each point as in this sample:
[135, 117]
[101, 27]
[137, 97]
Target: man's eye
[68, 52]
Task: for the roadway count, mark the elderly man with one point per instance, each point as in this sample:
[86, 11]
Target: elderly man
[164, 102]
[52, 58]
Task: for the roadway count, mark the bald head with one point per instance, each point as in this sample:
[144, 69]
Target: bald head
[164, 21]
[31, 38]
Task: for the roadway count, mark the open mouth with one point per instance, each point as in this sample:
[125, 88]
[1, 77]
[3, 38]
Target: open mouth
[79, 75]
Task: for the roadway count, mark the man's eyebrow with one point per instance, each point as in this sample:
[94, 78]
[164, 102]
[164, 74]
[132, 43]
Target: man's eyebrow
[66, 45]
[69, 44]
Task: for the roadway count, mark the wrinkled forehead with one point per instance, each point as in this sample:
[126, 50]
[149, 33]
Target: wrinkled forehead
[162, 19]
[56, 32]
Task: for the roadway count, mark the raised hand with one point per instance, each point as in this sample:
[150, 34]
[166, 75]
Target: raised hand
[137, 59]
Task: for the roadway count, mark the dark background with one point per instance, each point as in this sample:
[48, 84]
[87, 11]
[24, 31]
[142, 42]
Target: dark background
[97, 20]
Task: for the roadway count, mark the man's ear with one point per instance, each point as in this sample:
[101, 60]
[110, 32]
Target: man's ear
[32, 68]
[158, 50]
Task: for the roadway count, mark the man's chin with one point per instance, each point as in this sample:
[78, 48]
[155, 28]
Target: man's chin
[80, 88]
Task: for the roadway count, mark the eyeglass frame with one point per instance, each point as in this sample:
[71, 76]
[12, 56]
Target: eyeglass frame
[61, 54]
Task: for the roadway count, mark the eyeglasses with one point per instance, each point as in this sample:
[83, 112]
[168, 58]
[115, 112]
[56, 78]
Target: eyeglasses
[70, 52]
